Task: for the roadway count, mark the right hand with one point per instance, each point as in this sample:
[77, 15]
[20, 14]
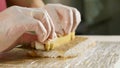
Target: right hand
[16, 22]
[65, 19]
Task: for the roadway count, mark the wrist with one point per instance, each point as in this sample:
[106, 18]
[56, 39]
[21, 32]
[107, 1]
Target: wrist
[27, 3]
[37, 4]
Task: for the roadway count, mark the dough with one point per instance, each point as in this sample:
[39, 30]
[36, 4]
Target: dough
[76, 47]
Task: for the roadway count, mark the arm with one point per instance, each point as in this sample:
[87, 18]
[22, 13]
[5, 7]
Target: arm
[27, 3]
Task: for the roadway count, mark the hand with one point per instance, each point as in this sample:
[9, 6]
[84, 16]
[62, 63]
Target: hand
[17, 22]
[65, 19]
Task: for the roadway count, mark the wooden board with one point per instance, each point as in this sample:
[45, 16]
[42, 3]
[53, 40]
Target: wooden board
[71, 49]
[20, 56]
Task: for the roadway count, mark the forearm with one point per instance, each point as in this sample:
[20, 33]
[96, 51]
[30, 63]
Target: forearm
[27, 3]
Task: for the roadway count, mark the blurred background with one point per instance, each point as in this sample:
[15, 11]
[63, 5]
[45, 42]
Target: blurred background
[99, 17]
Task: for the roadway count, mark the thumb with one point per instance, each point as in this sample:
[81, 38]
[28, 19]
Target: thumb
[27, 38]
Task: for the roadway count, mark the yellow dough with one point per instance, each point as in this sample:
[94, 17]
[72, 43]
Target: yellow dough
[67, 49]
[57, 42]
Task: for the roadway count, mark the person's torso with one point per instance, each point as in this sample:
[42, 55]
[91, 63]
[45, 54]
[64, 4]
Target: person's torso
[2, 5]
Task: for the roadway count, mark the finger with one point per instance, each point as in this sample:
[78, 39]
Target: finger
[66, 17]
[39, 29]
[76, 19]
[42, 15]
[55, 18]
[27, 38]
[53, 33]
[26, 11]
[36, 16]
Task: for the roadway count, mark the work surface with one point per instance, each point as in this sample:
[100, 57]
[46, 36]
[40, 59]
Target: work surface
[105, 54]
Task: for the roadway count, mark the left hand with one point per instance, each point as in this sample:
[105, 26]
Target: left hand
[65, 19]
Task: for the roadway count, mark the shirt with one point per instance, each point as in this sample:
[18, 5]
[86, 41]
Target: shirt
[2, 5]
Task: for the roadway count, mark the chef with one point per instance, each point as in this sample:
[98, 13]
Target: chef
[30, 20]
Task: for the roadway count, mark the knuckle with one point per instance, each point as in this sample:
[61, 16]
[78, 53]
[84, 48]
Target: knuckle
[14, 7]
[36, 23]
[43, 13]
[77, 15]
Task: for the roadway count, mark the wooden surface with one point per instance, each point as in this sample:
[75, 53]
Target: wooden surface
[20, 56]
[107, 50]
[72, 48]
